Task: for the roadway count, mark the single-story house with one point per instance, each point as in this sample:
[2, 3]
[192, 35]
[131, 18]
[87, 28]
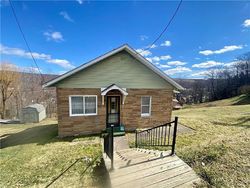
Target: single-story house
[120, 87]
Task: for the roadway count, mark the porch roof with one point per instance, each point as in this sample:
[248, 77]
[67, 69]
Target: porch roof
[104, 91]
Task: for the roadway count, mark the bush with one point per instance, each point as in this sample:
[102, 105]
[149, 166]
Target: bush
[244, 89]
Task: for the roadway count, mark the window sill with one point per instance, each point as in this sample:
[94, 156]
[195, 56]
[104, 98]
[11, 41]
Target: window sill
[77, 115]
[145, 115]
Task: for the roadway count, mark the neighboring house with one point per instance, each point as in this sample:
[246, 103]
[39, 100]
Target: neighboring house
[176, 104]
[119, 87]
[176, 100]
[33, 113]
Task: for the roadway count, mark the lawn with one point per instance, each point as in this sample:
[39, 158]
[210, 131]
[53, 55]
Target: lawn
[219, 148]
[31, 155]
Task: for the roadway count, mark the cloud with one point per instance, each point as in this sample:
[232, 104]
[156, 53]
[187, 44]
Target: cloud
[152, 46]
[153, 59]
[200, 74]
[80, 1]
[176, 70]
[176, 63]
[207, 64]
[206, 73]
[158, 58]
[53, 35]
[22, 53]
[39, 56]
[144, 53]
[143, 37]
[220, 51]
[231, 64]
[164, 66]
[165, 57]
[61, 62]
[66, 16]
[246, 23]
[166, 43]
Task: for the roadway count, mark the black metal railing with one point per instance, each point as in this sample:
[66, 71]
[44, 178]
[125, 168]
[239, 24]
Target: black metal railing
[108, 138]
[158, 136]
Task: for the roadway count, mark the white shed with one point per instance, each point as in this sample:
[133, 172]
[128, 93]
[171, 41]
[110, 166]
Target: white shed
[33, 113]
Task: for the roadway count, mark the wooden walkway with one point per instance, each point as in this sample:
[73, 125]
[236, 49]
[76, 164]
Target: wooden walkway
[149, 168]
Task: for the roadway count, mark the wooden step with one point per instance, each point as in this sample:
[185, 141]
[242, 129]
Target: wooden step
[150, 174]
[150, 168]
[146, 165]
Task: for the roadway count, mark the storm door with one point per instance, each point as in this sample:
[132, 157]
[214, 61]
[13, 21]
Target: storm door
[113, 111]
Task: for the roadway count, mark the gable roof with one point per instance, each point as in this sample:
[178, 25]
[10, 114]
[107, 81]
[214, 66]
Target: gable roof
[128, 49]
[111, 87]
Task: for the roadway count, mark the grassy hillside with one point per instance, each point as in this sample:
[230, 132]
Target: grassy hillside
[32, 156]
[219, 148]
[238, 100]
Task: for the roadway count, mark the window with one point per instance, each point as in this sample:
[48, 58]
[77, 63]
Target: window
[145, 106]
[90, 105]
[81, 105]
[76, 105]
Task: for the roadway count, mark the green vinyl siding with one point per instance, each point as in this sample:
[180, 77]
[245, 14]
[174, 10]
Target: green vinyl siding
[121, 69]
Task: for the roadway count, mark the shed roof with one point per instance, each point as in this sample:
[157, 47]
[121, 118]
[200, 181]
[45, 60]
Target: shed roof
[38, 107]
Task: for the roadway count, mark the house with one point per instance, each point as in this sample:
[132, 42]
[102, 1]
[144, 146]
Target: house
[118, 88]
[177, 100]
[33, 113]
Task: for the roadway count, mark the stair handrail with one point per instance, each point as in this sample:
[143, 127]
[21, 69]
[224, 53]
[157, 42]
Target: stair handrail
[157, 136]
[108, 142]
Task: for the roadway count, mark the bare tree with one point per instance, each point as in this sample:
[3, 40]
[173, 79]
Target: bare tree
[211, 75]
[9, 80]
[244, 65]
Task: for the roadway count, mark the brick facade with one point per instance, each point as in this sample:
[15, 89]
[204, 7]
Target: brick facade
[161, 109]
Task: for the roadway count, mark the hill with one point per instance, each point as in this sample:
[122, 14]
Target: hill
[218, 147]
[238, 100]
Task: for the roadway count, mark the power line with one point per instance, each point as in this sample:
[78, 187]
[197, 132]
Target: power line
[164, 30]
[24, 38]
[149, 47]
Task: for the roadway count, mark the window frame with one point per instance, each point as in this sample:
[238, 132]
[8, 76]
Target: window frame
[150, 102]
[83, 114]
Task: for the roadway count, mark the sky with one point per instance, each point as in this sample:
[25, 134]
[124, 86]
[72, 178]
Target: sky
[65, 34]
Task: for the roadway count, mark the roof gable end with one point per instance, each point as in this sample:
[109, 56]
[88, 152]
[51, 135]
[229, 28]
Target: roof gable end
[128, 49]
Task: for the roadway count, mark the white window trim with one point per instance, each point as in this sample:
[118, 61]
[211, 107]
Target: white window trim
[146, 114]
[83, 96]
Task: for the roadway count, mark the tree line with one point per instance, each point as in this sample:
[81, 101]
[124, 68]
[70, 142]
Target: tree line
[221, 82]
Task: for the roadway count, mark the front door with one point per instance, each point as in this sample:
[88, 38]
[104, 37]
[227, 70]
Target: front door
[113, 111]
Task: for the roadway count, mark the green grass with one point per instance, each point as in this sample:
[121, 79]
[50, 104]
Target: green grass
[243, 99]
[32, 156]
[219, 148]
